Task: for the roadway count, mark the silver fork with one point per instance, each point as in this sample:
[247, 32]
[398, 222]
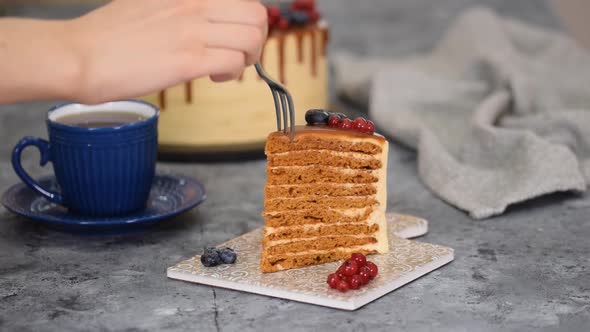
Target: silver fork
[284, 107]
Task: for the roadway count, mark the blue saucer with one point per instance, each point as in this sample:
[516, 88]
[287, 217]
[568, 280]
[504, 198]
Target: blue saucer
[170, 195]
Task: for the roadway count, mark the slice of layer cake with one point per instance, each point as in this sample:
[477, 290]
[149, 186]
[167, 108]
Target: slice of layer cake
[325, 197]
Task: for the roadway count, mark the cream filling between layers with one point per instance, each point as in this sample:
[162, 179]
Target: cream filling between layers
[371, 220]
[270, 244]
[355, 212]
[347, 171]
[353, 155]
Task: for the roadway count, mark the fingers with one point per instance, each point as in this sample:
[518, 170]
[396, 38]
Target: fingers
[223, 64]
[237, 12]
[238, 25]
[246, 39]
[224, 77]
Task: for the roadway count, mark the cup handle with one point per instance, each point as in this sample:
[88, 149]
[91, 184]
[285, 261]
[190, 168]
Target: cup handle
[43, 147]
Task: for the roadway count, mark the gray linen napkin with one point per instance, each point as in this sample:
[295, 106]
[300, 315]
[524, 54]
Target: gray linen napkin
[498, 111]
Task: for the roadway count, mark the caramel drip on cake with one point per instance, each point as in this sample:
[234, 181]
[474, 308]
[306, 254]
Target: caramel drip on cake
[314, 58]
[325, 40]
[299, 38]
[325, 197]
[162, 99]
[188, 87]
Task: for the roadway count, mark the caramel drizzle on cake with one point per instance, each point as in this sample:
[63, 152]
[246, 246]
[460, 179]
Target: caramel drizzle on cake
[300, 34]
[324, 197]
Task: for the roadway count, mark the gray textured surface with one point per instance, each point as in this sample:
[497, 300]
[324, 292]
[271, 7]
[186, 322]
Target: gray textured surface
[526, 270]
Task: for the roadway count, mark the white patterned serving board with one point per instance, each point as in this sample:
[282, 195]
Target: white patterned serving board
[406, 261]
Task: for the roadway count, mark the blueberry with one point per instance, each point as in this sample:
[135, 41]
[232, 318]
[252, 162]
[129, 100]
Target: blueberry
[208, 250]
[299, 17]
[228, 255]
[285, 8]
[210, 259]
[316, 117]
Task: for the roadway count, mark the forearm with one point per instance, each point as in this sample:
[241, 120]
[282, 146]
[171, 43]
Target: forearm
[38, 61]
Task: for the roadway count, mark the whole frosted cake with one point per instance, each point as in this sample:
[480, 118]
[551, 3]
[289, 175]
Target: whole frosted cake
[325, 194]
[201, 115]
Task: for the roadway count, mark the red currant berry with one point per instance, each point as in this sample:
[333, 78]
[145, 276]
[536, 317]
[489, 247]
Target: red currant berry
[359, 258]
[345, 124]
[283, 23]
[333, 280]
[274, 13]
[314, 16]
[372, 269]
[359, 123]
[355, 282]
[350, 268]
[333, 120]
[365, 276]
[370, 127]
[303, 4]
[342, 286]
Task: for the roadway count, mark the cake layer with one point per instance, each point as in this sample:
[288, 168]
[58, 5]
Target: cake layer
[308, 231]
[318, 174]
[344, 189]
[354, 160]
[325, 202]
[280, 143]
[274, 263]
[315, 216]
[328, 242]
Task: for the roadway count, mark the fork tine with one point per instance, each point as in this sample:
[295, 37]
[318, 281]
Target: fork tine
[286, 106]
[285, 111]
[291, 115]
[278, 112]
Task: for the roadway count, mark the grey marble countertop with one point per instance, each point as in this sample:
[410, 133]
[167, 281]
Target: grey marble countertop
[526, 270]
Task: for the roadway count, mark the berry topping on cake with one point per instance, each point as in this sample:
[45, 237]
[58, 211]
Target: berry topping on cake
[370, 127]
[296, 13]
[274, 14]
[333, 120]
[345, 124]
[299, 17]
[303, 4]
[315, 116]
[360, 124]
[314, 16]
[283, 23]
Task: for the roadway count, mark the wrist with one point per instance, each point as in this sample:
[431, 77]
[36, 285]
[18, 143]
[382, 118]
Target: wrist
[37, 60]
[66, 51]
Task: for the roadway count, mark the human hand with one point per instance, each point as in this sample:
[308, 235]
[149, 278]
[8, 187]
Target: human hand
[131, 48]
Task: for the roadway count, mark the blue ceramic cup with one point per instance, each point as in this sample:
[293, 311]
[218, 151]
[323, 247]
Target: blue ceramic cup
[102, 171]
